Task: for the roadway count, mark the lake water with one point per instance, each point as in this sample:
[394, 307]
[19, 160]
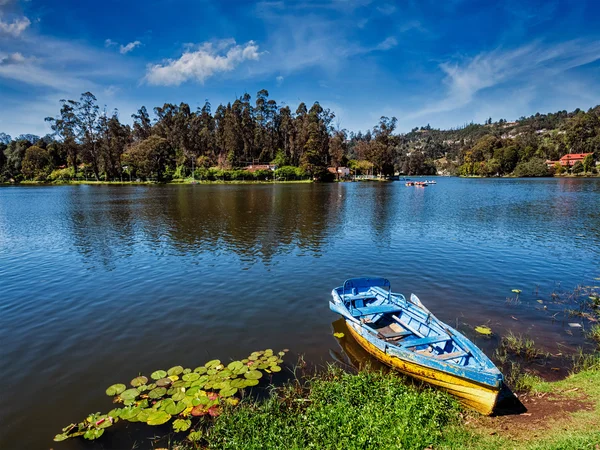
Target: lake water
[98, 283]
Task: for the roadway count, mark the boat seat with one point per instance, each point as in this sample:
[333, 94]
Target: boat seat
[453, 355]
[370, 310]
[396, 335]
[351, 297]
[425, 341]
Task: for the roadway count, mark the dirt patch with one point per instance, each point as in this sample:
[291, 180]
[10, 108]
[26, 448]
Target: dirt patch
[536, 414]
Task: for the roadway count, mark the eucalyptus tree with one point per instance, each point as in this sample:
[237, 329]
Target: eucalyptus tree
[87, 116]
[114, 137]
[142, 125]
[66, 128]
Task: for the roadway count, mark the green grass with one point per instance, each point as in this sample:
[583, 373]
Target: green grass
[376, 410]
[339, 410]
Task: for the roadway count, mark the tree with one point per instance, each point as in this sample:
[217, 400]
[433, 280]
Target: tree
[151, 156]
[142, 126]
[558, 168]
[87, 117]
[66, 127]
[577, 167]
[14, 154]
[36, 163]
[588, 163]
[536, 167]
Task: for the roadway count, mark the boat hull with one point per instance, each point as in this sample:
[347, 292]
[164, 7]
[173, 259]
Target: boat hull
[477, 396]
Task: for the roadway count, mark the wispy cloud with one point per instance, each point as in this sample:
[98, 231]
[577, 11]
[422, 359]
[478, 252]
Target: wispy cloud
[279, 80]
[387, 44]
[386, 9]
[198, 65]
[110, 43]
[14, 28]
[124, 49]
[532, 63]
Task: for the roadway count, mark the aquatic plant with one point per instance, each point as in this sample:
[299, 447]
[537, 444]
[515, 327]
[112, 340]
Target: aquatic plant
[483, 329]
[181, 395]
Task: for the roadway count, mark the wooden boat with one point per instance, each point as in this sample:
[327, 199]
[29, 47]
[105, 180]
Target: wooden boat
[405, 335]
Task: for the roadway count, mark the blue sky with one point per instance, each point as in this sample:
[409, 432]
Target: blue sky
[446, 63]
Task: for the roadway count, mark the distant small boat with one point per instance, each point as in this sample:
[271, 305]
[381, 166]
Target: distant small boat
[405, 335]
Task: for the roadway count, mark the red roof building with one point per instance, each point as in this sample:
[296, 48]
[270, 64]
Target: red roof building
[569, 159]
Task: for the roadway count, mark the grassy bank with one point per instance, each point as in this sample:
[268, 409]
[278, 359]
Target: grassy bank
[380, 410]
[146, 183]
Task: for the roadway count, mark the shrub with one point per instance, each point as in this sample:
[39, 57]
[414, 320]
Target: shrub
[535, 167]
[263, 175]
[65, 174]
[288, 173]
[577, 167]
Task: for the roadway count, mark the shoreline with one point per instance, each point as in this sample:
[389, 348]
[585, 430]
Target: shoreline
[251, 182]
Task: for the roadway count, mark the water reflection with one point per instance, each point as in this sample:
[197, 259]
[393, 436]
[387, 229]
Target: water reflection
[255, 223]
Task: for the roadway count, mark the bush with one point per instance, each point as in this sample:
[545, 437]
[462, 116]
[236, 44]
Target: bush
[263, 175]
[65, 174]
[288, 173]
[577, 167]
[535, 167]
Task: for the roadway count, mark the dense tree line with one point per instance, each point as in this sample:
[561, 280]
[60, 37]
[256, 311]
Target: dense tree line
[91, 142]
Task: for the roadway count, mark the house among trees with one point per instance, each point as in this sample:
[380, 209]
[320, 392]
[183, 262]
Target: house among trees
[568, 160]
[255, 167]
[339, 172]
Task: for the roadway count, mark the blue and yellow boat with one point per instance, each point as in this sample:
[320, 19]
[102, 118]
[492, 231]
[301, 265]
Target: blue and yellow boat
[405, 335]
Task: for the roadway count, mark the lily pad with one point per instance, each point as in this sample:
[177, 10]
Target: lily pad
[251, 382]
[485, 330]
[115, 389]
[93, 433]
[61, 437]
[516, 291]
[228, 391]
[139, 381]
[275, 369]
[164, 382]
[129, 412]
[338, 335]
[212, 364]
[191, 376]
[114, 413]
[157, 392]
[158, 418]
[174, 408]
[175, 370]
[201, 370]
[180, 425]
[178, 396]
[253, 375]
[234, 366]
[158, 374]
[200, 400]
[129, 394]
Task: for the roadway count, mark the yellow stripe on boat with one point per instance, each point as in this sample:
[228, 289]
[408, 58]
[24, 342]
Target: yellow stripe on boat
[481, 398]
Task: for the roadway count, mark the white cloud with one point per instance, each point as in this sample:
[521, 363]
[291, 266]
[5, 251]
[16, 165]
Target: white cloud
[279, 80]
[527, 65]
[16, 27]
[110, 43]
[387, 44]
[202, 63]
[124, 49]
